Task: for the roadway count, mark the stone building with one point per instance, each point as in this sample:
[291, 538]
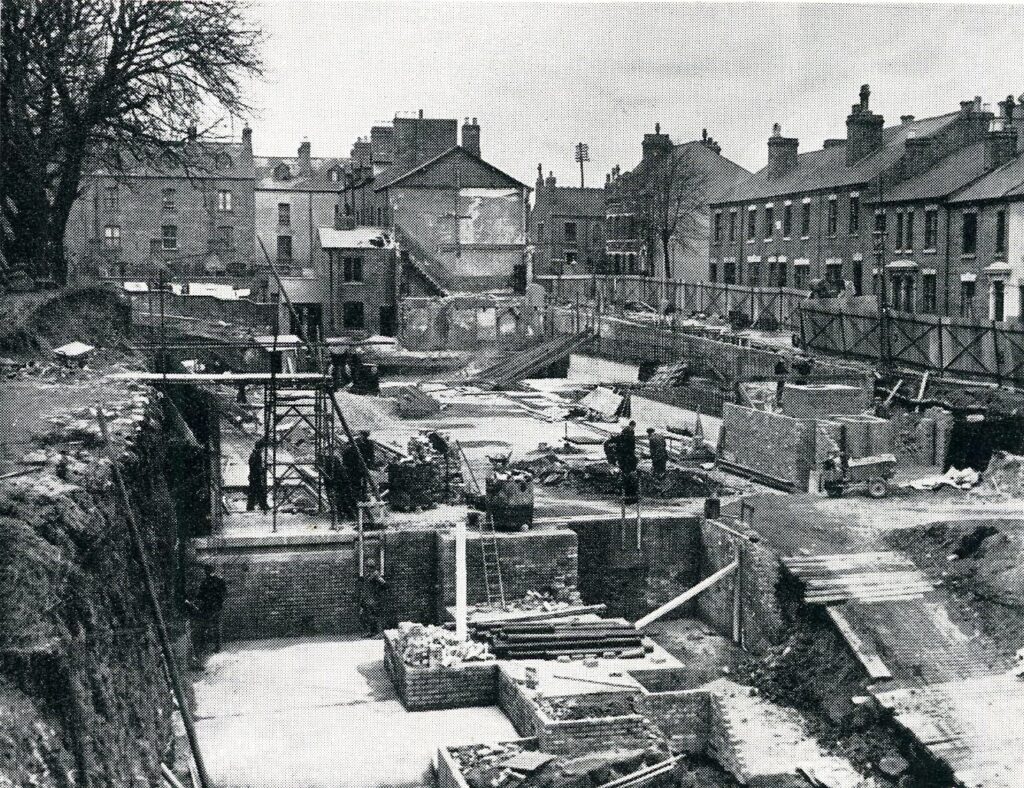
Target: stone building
[566, 228]
[816, 215]
[700, 174]
[189, 214]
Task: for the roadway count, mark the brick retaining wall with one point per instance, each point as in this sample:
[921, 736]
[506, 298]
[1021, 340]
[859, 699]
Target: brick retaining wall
[530, 560]
[759, 577]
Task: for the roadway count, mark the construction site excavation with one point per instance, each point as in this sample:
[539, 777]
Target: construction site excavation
[271, 561]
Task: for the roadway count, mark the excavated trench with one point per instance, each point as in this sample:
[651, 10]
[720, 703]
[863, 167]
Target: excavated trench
[84, 698]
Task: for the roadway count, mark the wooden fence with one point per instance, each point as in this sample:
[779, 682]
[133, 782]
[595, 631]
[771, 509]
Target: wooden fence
[958, 347]
[767, 307]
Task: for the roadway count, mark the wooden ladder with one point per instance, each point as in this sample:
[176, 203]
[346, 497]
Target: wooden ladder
[491, 558]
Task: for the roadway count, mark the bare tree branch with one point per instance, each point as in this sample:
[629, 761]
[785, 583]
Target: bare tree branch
[105, 83]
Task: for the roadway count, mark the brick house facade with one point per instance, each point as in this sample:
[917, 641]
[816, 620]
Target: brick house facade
[882, 193]
[191, 215]
[566, 228]
[629, 247]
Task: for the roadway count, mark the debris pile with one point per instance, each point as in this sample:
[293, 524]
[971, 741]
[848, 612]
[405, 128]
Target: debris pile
[430, 646]
[550, 600]
[1004, 476]
[512, 766]
[601, 478]
[588, 706]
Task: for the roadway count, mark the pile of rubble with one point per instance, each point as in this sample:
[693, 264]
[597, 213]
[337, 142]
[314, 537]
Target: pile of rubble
[585, 707]
[429, 646]
[550, 600]
[601, 478]
[1004, 477]
[512, 766]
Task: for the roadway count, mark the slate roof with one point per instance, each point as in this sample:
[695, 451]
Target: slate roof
[827, 168]
[950, 173]
[318, 180]
[572, 201]
[205, 160]
[1005, 182]
[398, 173]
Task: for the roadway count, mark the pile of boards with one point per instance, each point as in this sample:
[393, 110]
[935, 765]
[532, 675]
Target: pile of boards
[553, 639]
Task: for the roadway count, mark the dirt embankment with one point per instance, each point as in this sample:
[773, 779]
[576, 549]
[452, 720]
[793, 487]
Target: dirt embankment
[83, 695]
[34, 322]
[981, 562]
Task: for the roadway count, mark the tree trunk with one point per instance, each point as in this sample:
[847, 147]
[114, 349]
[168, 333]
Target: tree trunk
[665, 239]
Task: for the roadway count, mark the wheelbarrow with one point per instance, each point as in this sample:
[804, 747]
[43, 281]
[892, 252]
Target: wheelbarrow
[870, 474]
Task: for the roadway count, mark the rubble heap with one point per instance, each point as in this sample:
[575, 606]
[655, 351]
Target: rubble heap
[427, 646]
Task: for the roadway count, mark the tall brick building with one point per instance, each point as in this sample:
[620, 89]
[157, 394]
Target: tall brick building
[191, 214]
[566, 228]
[631, 243]
[881, 194]
[296, 195]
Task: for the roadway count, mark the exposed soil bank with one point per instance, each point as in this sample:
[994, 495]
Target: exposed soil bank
[980, 562]
[84, 700]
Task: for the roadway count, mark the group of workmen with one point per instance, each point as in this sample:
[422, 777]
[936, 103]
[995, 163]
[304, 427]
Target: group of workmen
[345, 477]
[620, 451]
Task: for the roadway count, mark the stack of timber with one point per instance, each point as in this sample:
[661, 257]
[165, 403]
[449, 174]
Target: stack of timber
[553, 639]
[524, 365]
[879, 576]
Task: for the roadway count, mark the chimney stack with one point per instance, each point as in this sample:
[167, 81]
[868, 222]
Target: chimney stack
[551, 180]
[782, 153]
[192, 133]
[1000, 140]
[305, 165]
[245, 162]
[471, 137]
[863, 129]
[657, 143]
[917, 155]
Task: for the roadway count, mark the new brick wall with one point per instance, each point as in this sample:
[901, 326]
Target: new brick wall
[684, 717]
[775, 445]
[410, 566]
[453, 687]
[530, 560]
[761, 613]
[819, 400]
[288, 592]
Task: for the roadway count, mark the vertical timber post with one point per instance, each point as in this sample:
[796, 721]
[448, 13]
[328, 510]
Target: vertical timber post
[460, 580]
[737, 588]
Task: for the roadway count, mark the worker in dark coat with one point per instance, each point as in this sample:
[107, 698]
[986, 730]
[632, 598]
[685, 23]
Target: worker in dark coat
[371, 604]
[659, 452]
[206, 609]
[626, 448]
[257, 492]
[611, 450]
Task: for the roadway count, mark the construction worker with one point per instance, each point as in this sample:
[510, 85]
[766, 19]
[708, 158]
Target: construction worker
[206, 609]
[371, 604]
[626, 448]
[659, 452]
[257, 491]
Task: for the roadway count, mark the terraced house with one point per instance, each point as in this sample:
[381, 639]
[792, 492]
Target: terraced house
[821, 214]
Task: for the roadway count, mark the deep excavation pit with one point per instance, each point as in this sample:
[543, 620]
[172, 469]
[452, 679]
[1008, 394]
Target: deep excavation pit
[85, 697]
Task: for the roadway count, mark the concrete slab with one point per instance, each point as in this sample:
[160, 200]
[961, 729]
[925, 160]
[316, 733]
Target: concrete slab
[322, 714]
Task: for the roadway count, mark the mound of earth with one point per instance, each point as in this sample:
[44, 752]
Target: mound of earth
[33, 323]
[982, 563]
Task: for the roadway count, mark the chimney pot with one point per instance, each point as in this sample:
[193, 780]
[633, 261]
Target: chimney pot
[865, 96]
[474, 122]
[193, 133]
[421, 113]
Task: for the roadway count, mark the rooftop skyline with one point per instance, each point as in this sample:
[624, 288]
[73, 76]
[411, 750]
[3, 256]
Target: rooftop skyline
[541, 77]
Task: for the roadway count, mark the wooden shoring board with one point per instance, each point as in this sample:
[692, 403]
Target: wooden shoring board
[865, 651]
[871, 576]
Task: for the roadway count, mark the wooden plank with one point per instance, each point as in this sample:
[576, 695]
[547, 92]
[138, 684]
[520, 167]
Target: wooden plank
[864, 651]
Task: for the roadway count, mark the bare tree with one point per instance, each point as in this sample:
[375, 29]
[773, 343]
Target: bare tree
[673, 202]
[104, 83]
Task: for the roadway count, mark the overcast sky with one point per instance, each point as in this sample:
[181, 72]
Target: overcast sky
[541, 77]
